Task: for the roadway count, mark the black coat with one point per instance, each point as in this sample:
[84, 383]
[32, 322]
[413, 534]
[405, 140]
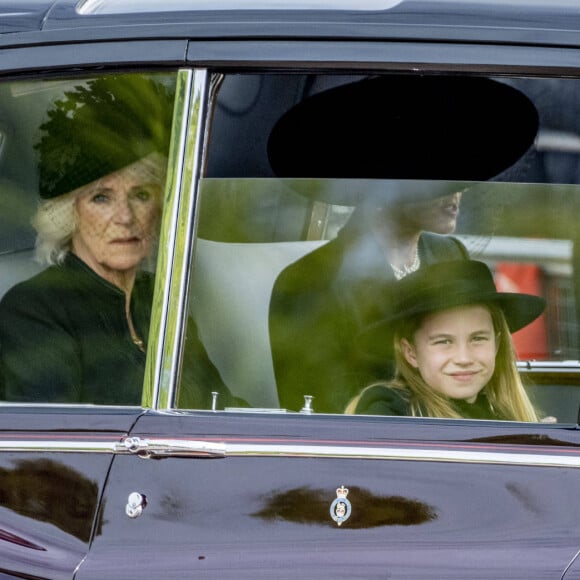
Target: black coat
[383, 400]
[64, 337]
[321, 302]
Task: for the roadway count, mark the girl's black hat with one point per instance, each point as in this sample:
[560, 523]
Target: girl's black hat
[447, 285]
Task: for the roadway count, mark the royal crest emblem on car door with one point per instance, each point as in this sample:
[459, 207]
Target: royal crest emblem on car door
[340, 508]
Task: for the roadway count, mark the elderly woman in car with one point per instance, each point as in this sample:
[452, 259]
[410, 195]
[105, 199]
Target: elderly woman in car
[77, 332]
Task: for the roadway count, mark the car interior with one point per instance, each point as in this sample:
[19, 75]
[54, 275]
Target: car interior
[252, 223]
[520, 223]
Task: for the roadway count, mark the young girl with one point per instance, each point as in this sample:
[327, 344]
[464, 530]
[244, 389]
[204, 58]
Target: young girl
[454, 357]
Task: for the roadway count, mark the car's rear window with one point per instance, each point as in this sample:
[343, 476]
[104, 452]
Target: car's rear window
[307, 195]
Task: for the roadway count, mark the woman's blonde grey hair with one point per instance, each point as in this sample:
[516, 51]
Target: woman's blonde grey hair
[56, 219]
[55, 222]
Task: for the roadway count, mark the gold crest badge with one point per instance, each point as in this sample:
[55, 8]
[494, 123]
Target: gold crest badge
[340, 508]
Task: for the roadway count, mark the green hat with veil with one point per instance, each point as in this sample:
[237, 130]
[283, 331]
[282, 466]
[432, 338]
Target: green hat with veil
[100, 127]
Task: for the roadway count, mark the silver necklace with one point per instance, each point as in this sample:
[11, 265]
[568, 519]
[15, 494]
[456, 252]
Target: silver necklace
[407, 269]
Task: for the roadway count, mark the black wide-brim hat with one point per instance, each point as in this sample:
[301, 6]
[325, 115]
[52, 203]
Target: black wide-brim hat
[404, 127]
[442, 286]
[101, 127]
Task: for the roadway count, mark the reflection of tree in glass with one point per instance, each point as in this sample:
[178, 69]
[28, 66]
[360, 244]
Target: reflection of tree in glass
[520, 210]
[311, 506]
[51, 492]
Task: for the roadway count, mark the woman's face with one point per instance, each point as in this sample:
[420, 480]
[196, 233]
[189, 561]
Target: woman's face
[454, 350]
[117, 221]
[437, 215]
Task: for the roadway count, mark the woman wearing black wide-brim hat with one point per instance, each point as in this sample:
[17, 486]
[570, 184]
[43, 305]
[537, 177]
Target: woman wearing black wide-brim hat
[450, 332]
[401, 149]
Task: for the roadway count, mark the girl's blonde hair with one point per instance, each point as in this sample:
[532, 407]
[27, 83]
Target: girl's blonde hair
[56, 219]
[505, 391]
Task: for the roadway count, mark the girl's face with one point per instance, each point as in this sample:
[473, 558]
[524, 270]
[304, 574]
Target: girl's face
[454, 350]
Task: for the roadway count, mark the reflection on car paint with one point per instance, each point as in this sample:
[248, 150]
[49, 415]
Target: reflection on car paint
[307, 505]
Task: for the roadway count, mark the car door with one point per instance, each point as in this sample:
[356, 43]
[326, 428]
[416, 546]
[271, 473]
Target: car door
[55, 456]
[476, 503]
[54, 464]
[247, 488]
[238, 485]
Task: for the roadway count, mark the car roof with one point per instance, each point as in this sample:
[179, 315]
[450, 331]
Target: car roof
[537, 22]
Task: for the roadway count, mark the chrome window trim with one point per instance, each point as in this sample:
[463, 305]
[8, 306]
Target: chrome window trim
[175, 243]
[549, 366]
[110, 7]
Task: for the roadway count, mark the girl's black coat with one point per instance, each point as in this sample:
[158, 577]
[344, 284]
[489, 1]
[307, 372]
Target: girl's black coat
[383, 400]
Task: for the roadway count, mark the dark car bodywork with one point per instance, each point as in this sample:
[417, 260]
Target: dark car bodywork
[247, 493]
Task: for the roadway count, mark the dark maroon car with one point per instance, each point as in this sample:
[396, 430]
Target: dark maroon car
[286, 120]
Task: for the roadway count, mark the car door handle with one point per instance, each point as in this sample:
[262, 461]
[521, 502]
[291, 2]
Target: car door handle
[170, 448]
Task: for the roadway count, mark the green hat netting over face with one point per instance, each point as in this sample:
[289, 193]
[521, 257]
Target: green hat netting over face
[101, 127]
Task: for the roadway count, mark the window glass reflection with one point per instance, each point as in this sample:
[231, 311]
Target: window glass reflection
[266, 323]
[306, 228]
[85, 165]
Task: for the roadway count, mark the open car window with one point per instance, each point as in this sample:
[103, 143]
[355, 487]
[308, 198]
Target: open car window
[82, 174]
[299, 199]
[278, 309]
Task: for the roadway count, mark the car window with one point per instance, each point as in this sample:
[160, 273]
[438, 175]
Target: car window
[83, 164]
[309, 177]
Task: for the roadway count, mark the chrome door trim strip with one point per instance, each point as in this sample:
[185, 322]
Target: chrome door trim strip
[160, 447]
[42, 446]
[404, 454]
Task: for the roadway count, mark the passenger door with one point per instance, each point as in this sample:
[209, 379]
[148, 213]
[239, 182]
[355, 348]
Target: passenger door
[253, 489]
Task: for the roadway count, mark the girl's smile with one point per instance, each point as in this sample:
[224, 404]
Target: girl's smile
[454, 351]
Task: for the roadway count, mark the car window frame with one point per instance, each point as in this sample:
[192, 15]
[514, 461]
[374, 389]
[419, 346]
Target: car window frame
[199, 63]
[162, 370]
[164, 396]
